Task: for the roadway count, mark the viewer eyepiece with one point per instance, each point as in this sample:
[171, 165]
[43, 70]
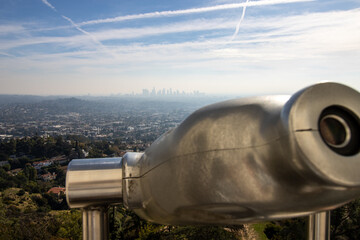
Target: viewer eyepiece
[335, 131]
[339, 129]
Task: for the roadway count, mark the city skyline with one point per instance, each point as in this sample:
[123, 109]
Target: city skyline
[138, 92]
[167, 92]
[52, 47]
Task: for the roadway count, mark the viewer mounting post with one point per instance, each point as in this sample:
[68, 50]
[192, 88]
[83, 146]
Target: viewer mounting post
[234, 162]
[95, 222]
[319, 226]
[93, 185]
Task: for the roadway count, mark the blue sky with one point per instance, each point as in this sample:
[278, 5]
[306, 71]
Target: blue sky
[52, 47]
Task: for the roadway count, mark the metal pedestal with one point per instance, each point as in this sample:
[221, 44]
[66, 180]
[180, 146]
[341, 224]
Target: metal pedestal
[319, 226]
[95, 223]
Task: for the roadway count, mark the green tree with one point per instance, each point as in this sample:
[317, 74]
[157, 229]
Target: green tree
[11, 147]
[289, 229]
[24, 145]
[345, 221]
[3, 156]
[30, 172]
[345, 224]
[38, 148]
[125, 224]
[6, 181]
[70, 227]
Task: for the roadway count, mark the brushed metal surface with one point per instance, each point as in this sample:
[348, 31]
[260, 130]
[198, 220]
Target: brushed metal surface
[234, 162]
[132, 197]
[319, 226]
[91, 182]
[95, 223]
[248, 160]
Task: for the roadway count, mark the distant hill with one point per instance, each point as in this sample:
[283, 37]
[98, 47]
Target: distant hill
[20, 106]
[9, 99]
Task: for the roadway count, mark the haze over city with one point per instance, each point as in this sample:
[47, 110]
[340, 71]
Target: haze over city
[53, 47]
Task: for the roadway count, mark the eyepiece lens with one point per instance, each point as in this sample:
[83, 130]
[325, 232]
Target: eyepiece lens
[340, 130]
[333, 131]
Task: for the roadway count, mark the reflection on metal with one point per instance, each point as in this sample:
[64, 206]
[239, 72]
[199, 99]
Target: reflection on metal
[252, 159]
[319, 226]
[95, 223]
[94, 184]
[239, 161]
[91, 182]
[131, 180]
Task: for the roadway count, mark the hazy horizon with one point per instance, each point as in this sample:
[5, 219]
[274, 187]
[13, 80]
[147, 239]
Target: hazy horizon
[226, 47]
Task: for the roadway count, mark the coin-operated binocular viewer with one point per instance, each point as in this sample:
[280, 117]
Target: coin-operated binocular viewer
[234, 162]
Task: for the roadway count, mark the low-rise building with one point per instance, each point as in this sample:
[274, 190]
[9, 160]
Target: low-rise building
[41, 164]
[48, 176]
[59, 159]
[15, 172]
[3, 163]
[57, 191]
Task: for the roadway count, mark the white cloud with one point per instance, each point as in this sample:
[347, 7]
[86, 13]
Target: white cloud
[76, 26]
[6, 54]
[179, 27]
[92, 37]
[310, 30]
[311, 46]
[10, 29]
[190, 11]
[125, 33]
[8, 45]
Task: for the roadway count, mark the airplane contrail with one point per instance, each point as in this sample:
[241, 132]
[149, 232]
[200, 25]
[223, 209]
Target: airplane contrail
[240, 21]
[93, 38]
[189, 11]
[49, 5]
[81, 30]
[6, 54]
